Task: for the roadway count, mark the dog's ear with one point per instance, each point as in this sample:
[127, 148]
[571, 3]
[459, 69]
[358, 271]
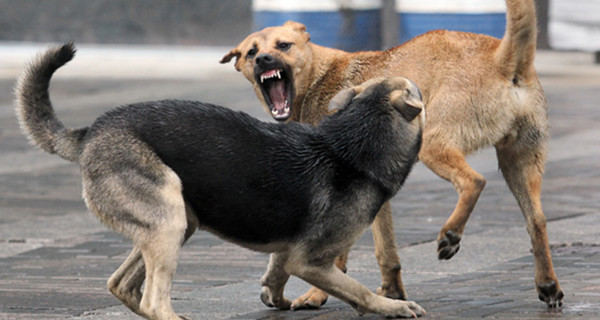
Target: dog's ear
[342, 99]
[235, 52]
[298, 27]
[408, 101]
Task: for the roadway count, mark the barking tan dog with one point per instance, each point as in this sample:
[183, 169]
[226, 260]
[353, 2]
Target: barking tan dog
[479, 91]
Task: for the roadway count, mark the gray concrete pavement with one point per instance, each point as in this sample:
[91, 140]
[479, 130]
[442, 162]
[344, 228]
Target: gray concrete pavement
[55, 257]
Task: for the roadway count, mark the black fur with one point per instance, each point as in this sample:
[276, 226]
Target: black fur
[250, 181]
[255, 181]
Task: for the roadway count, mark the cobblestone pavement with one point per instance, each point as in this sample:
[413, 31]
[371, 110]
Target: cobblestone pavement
[55, 257]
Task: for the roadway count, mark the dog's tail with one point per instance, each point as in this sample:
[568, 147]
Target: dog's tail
[516, 52]
[34, 109]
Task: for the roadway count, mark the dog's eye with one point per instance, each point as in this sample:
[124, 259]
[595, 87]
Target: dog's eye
[284, 46]
[251, 53]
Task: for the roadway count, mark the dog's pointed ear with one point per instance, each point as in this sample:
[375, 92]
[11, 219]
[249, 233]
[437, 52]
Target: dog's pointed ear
[408, 100]
[342, 99]
[235, 52]
[298, 27]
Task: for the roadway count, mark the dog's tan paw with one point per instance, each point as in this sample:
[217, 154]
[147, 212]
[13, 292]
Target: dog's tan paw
[405, 309]
[312, 299]
[272, 301]
[392, 292]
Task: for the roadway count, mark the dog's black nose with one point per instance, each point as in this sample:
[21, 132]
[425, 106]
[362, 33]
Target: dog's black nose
[263, 59]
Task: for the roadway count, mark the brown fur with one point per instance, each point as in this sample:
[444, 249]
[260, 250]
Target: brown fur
[479, 91]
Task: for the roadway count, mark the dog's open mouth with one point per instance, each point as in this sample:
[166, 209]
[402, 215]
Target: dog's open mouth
[277, 90]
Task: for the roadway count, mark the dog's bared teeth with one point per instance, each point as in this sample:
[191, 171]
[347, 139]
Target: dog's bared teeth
[270, 74]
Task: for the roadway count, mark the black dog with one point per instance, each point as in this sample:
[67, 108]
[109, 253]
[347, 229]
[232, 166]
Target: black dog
[157, 171]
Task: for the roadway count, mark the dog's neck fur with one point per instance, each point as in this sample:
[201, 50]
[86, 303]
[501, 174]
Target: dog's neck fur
[377, 142]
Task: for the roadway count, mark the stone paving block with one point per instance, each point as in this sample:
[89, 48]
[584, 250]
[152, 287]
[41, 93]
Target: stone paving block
[64, 303]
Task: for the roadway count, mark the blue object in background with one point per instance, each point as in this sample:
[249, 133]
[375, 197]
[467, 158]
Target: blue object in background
[355, 25]
[477, 16]
[350, 25]
[414, 24]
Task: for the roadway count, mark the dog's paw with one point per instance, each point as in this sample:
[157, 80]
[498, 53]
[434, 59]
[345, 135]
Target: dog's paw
[271, 301]
[551, 294]
[405, 309]
[312, 299]
[392, 292]
[448, 245]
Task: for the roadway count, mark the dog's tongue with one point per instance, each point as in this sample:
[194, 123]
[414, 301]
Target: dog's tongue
[278, 95]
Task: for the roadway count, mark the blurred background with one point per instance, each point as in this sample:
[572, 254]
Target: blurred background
[346, 24]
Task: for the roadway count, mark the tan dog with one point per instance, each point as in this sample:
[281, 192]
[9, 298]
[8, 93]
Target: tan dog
[479, 91]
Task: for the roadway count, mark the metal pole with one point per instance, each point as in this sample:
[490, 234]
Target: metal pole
[390, 26]
[542, 21]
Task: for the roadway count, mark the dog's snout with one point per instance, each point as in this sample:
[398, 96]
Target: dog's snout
[263, 58]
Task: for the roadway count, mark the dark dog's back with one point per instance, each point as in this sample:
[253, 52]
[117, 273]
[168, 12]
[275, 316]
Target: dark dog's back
[256, 182]
[242, 177]
[250, 181]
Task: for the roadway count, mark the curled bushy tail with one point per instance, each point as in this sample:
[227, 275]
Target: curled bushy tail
[34, 109]
[516, 52]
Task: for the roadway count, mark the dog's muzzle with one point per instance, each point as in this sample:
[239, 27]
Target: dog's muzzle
[275, 81]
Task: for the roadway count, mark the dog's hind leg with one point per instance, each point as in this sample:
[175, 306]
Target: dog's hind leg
[160, 256]
[160, 250]
[126, 282]
[522, 165]
[273, 282]
[335, 282]
[132, 191]
[450, 164]
[387, 255]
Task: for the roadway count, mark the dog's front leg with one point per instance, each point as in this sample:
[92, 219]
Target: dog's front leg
[273, 282]
[450, 164]
[314, 298]
[387, 256]
[345, 288]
